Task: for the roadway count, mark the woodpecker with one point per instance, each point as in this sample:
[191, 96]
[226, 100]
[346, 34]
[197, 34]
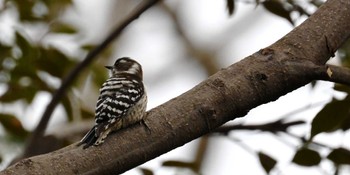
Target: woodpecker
[121, 103]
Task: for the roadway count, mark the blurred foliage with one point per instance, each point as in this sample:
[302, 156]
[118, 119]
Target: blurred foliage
[146, 171]
[339, 156]
[13, 126]
[39, 10]
[331, 117]
[307, 157]
[28, 68]
[344, 54]
[266, 161]
[285, 8]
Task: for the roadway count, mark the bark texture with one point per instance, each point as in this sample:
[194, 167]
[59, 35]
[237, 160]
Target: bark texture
[268, 74]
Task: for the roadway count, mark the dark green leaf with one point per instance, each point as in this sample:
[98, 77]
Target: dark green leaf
[5, 51]
[29, 52]
[17, 92]
[277, 8]
[56, 8]
[25, 10]
[307, 157]
[230, 6]
[340, 156]
[267, 162]
[88, 47]
[87, 114]
[54, 62]
[63, 28]
[13, 126]
[331, 117]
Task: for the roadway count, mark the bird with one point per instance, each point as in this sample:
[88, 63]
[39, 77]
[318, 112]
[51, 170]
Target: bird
[122, 101]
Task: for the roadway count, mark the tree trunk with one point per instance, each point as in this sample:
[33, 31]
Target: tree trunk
[295, 60]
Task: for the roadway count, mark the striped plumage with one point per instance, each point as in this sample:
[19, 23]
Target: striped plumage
[122, 101]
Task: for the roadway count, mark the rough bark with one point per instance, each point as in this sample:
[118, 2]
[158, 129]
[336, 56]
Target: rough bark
[292, 62]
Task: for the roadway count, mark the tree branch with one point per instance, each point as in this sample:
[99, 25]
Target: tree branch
[230, 93]
[38, 133]
[335, 74]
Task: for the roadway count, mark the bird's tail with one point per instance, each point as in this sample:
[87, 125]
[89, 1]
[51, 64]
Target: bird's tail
[89, 139]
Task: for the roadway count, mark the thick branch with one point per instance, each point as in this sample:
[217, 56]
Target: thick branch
[37, 134]
[228, 94]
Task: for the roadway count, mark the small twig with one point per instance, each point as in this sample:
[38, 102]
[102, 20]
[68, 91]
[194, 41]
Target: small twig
[326, 72]
[304, 140]
[335, 74]
[276, 126]
[68, 80]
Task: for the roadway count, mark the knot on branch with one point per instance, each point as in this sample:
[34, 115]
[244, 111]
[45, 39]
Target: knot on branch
[260, 76]
[267, 52]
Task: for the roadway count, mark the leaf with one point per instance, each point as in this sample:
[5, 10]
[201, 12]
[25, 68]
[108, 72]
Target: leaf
[346, 124]
[17, 92]
[331, 117]
[267, 162]
[13, 126]
[63, 28]
[86, 114]
[29, 52]
[339, 156]
[54, 62]
[278, 9]
[5, 51]
[178, 164]
[307, 157]
[146, 171]
[230, 4]
[25, 10]
[56, 8]
[88, 47]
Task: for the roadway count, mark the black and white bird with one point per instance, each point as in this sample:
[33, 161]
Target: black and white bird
[122, 101]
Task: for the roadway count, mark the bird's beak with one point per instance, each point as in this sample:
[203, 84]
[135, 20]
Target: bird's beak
[109, 67]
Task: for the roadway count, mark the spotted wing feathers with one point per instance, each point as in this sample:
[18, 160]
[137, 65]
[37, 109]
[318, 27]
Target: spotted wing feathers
[117, 97]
